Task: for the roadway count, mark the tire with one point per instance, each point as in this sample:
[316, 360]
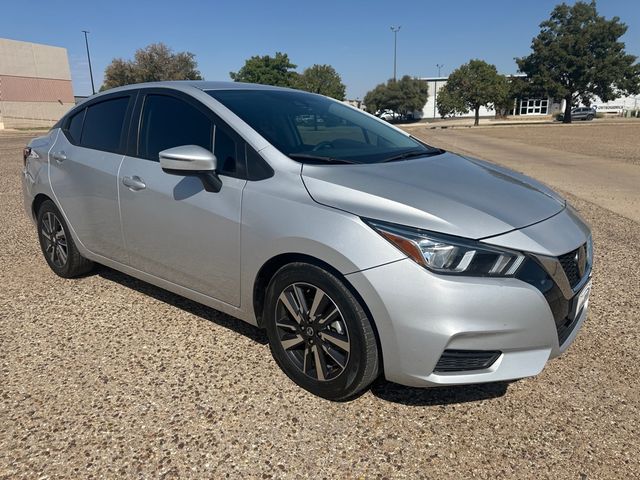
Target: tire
[57, 245]
[590, 117]
[333, 328]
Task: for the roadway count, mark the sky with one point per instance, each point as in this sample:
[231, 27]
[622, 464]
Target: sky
[352, 36]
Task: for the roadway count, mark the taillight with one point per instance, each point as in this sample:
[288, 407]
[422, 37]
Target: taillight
[26, 151]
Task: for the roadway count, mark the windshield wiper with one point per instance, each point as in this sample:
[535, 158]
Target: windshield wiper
[413, 153]
[318, 158]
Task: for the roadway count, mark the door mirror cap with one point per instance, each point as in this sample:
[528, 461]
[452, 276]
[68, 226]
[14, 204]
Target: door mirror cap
[188, 158]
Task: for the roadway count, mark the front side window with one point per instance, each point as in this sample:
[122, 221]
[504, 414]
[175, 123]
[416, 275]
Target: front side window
[310, 127]
[169, 122]
[102, 127]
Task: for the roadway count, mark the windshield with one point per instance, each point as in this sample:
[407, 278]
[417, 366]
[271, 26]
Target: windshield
[313, 128]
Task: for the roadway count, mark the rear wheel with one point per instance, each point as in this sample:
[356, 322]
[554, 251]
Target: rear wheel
[56, 243]
[319, 333]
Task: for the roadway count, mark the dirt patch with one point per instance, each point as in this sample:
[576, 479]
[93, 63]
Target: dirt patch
[620, 141]
[108, 377]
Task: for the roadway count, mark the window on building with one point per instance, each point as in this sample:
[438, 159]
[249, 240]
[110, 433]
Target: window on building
[534, 106]
[102, 128]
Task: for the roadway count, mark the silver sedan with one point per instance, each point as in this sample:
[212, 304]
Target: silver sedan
[361, 250]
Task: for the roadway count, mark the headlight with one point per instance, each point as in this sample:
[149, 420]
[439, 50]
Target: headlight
[452, 255]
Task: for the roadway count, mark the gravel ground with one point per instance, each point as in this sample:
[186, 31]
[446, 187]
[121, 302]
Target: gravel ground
[108, 377]
[598, 137]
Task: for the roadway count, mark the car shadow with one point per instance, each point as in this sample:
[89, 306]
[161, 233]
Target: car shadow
[207, 313]
[382, 389]
[437, 396]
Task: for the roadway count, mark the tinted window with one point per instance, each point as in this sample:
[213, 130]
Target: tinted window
[170, 122]
[103, 122]
[257, 168]
[225, 152]
[311, 127]
[74, 130]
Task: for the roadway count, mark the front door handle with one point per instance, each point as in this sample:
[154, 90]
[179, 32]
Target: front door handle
[134, 183]
[59, 156]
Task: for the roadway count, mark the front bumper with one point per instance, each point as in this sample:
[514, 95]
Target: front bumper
[419, 315]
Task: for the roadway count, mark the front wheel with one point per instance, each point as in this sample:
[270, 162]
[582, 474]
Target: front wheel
[319, 333]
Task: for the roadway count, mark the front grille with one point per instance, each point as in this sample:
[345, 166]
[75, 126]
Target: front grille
[569, 262]
[464, 360]
[562, 309]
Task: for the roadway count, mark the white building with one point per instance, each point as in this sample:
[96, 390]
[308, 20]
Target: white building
[540, 106]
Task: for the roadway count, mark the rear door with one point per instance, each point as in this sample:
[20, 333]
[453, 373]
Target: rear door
[83, 171]
[173, 228]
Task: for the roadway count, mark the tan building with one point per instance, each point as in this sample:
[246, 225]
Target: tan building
[35, 84]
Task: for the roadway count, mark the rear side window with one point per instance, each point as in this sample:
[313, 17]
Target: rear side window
[103, 122]
[74, 130]
[170, 122]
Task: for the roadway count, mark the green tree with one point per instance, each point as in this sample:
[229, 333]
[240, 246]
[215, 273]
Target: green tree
[449, 103]
[578, 55]
[403, 96]
[322, 79]
[471, 86]
[517, 87]
[267, 70]
[153, 63]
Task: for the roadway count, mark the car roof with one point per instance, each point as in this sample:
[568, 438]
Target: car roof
[186, 85]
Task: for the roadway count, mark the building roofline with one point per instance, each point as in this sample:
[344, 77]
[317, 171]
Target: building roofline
[443, 79]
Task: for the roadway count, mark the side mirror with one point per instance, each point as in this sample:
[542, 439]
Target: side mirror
[192, 160]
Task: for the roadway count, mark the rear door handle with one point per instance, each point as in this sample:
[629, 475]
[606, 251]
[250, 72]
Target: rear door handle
[59, 156]
[134, 183]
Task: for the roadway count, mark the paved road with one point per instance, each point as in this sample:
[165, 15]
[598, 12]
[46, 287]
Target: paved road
[612, 184]
[108, 377]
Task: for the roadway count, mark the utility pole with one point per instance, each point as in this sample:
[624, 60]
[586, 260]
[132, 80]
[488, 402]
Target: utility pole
[395, 31]
[86, 42]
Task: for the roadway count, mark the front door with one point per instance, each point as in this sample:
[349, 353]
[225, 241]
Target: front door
[173, 228]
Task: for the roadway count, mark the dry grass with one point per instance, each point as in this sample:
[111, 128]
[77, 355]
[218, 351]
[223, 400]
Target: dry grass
[620, 140]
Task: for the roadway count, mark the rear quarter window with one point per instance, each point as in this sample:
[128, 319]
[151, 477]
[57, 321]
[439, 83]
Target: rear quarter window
[74, 127]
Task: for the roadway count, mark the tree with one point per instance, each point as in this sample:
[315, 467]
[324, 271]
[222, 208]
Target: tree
[322, 79]
[449, 103]
[153, 63]
[517, 87]
[267, 70]
[119, 72]
[577, 55]
[471, 86]
[403, 96]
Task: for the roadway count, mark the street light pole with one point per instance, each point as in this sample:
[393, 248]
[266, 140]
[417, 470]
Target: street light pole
[86, 42]
[435, 90]
[395, 31]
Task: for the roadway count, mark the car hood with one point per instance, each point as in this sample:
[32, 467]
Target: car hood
[446, 193]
